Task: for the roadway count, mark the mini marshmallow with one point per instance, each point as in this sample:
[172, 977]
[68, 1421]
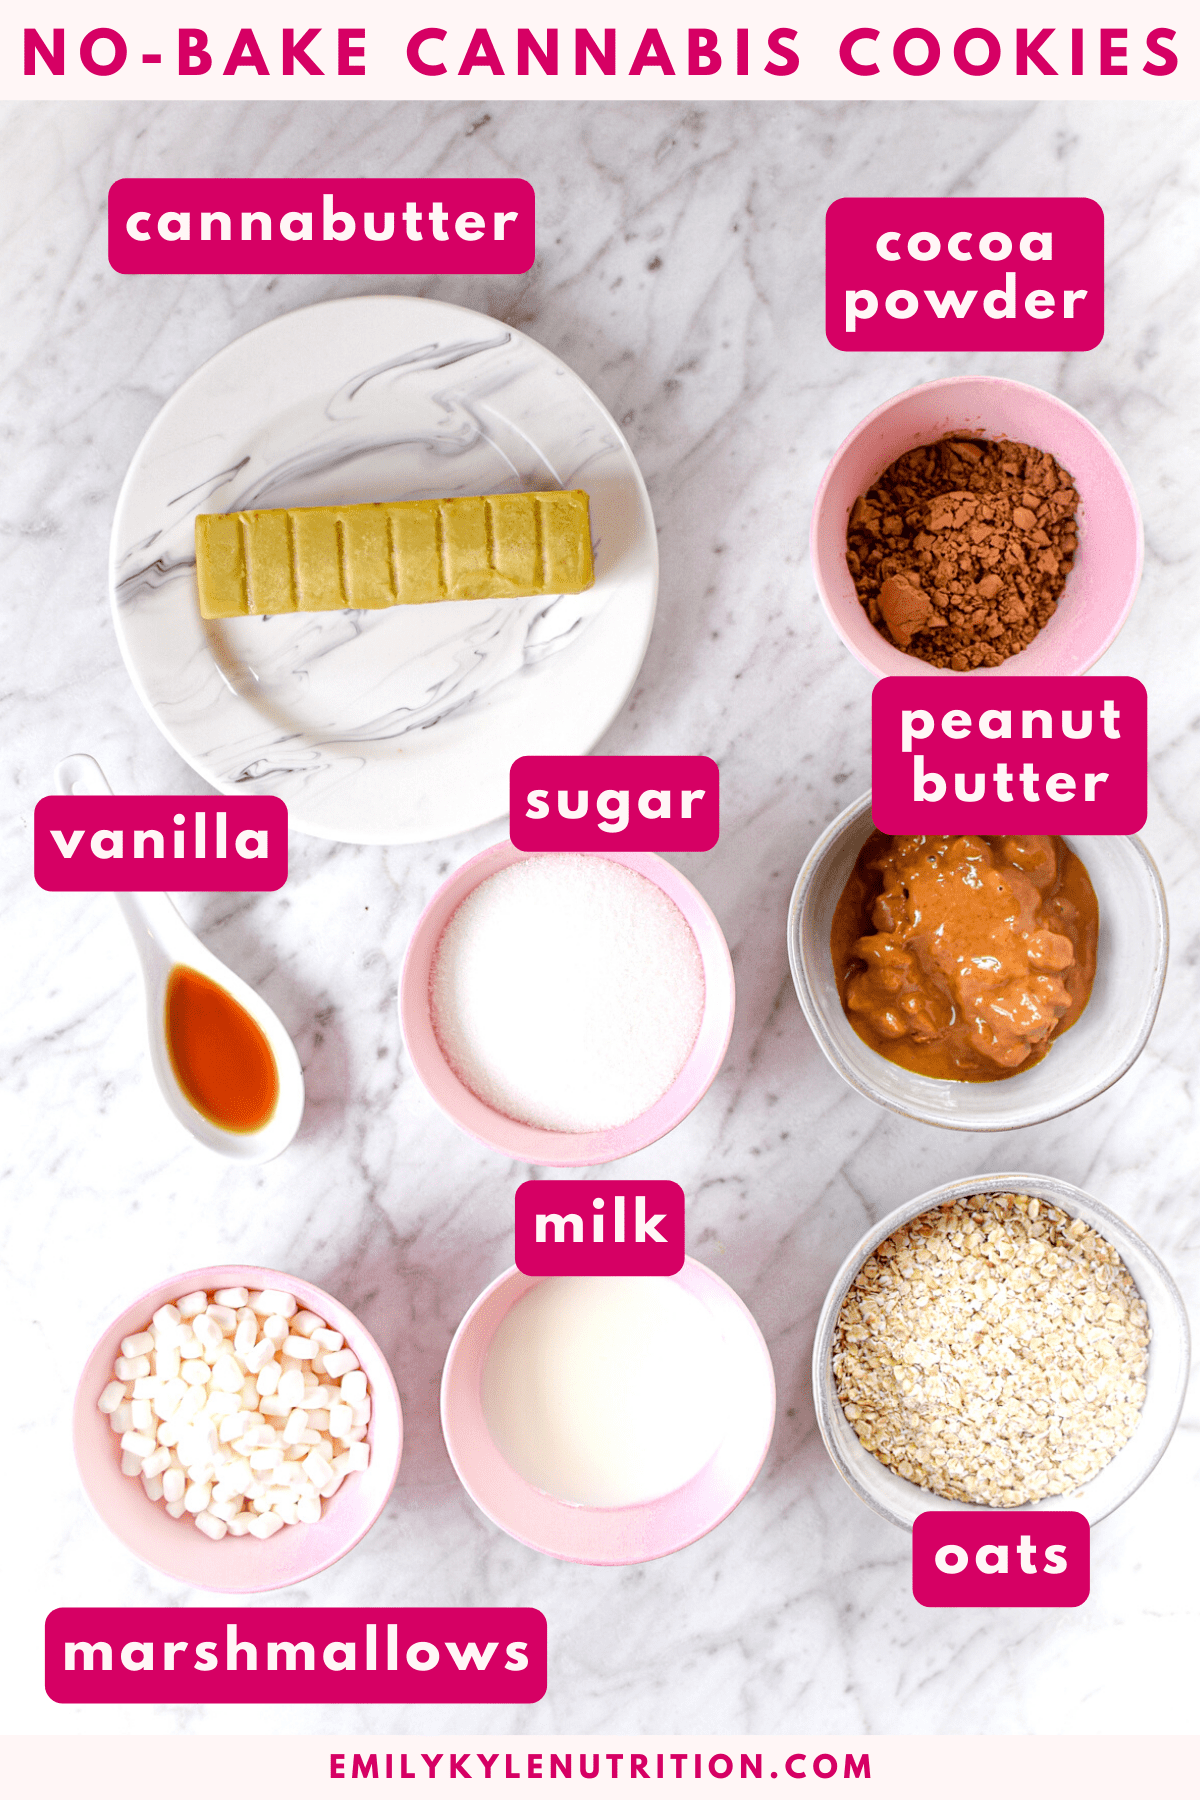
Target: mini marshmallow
[341, 1420]
[296, 1425]
[224, 1316]
[291, 1387]
[166, 1316]
[176, 1508]
[130, 1464]
[112, 1397]
[246, 1336]
[211, 1526]
[169, 1397]
[189, 1306]
[227, 1375]
[195, 1372]
[260, 1356]
[340, 1362]
[328, 1338]
[274, 1300]
[308, 1510]
[235, 1297]
[299, 1347]
[138, 1444]
[305, 1323]
[145, 1387]
[152, 1487]
[197, 1496]
[174, 1482]
[143, 1416]
[275, 1328]
[272, 1407]
[239, 1526]
[128, 1368]
[260, 1436]
[359, 1458]
[207, 1330]
[166, 1362]
[317, 1469]
[121, 1417]
[265, 1525]
[140, 1344]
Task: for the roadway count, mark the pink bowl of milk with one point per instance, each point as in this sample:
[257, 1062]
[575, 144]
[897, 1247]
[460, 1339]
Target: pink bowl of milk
[567, 1008]
[1104, 577]
[608, 1419]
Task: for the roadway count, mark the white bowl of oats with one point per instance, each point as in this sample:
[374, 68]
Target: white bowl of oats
[1001, 1341]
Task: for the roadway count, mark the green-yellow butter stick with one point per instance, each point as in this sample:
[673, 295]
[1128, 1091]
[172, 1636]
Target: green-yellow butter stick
[393, 553]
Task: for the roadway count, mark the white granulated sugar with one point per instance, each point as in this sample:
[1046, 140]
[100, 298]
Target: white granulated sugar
[567, 992]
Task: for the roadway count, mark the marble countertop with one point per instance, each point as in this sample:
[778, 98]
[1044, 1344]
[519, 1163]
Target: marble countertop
[680, 272]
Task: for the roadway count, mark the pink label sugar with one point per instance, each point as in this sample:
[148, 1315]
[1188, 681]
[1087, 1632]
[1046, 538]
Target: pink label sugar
[567, 992]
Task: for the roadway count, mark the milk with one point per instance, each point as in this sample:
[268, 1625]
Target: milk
[606, 1390]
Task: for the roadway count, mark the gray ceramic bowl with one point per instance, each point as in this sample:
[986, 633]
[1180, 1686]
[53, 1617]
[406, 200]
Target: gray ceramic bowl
[1106, 1040]
[899, 1500]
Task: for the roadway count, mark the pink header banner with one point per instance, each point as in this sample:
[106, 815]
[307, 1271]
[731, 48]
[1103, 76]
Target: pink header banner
[989, 1558]
[933, 274]
[606, 802]
[599, 1228]
[954, 754]
[236, 50]
[168, 226]
[160, 843]
[295, 1655]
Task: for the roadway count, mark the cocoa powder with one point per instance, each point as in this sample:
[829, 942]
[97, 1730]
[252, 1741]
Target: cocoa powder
[960, 550]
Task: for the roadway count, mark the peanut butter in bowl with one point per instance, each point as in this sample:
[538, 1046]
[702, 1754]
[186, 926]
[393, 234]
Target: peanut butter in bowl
[963, 958]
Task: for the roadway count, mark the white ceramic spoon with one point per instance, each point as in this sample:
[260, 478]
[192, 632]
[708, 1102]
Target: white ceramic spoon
[163, 943]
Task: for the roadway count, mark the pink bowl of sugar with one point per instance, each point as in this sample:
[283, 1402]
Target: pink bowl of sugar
[247, 1564]
[1107, 568]
[567, 1008]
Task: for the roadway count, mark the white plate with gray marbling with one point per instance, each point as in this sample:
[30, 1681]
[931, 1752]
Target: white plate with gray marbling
[395, 726]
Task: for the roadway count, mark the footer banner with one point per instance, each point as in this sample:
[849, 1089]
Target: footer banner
[900, 1768]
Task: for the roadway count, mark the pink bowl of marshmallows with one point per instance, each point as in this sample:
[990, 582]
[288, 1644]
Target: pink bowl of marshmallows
[245, 1525]
[1107, 568]
[572, 975]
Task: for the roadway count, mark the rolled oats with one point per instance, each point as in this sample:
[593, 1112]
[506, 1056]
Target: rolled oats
[993, 1350]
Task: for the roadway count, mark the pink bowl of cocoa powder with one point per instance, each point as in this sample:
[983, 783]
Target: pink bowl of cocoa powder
[1103, 580]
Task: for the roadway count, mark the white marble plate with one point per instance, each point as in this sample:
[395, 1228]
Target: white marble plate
[395, 726]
